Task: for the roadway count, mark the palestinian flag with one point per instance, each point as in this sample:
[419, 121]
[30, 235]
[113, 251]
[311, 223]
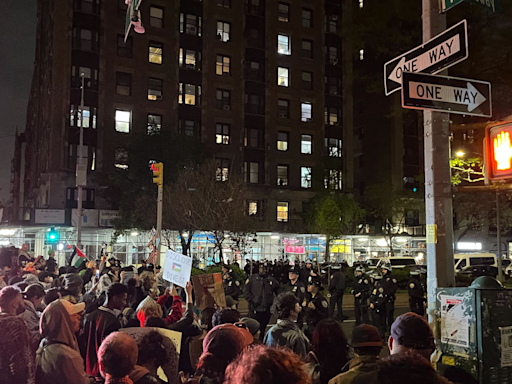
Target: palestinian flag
[77, 258]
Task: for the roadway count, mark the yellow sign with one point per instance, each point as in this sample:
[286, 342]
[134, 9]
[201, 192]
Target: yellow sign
[431, 233]
[448, 360]
[340, 246]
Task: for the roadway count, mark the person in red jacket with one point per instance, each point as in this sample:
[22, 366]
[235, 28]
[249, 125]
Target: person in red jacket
[176, 309]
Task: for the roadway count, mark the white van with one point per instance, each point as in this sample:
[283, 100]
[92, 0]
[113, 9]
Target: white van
[397, 262]
[463, 260]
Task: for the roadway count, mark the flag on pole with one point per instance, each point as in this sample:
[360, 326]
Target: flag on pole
[152, 257]
[77, 258]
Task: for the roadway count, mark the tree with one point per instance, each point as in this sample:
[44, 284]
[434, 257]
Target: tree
[469, 170]
[333, 214]
[392, 206]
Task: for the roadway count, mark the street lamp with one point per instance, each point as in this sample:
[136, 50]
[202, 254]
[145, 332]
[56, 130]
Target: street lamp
[460, 154]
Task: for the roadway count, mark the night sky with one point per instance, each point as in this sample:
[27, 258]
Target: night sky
[17, 47]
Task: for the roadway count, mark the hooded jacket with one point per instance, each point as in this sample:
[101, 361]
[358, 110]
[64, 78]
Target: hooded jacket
[58, 358]
[31, 317]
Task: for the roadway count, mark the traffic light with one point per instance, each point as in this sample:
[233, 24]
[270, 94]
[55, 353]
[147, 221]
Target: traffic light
[158, 174]
[498, 150]
[53, 235]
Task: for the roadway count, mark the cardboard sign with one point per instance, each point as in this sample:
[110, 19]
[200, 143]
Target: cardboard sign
[177, 268]
[209, 291]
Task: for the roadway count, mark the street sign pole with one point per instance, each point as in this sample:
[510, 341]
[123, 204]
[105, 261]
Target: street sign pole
[438, 197]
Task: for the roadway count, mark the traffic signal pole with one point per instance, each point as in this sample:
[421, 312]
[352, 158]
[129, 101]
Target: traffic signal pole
[159, 220]
[438, 192]
[81, 170]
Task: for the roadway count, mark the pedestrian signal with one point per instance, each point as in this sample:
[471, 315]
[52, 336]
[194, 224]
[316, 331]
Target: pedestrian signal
[498, 148]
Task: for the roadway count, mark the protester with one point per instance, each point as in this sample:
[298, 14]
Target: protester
[225, 316]
[52, 295]
[3, 283]
[17, 364]
[45, 279]
[51, 263]
[58, 357]
[287, 333]
[72, 285]
[147, 287]
[411, 332]
[23, 257]
[195, 344]
[252, 326]
[101, 323]
[367, 346]
[155, 351]
[176, 312]
[117, 357]
[33, 295]
[329, 350]
[221, 346]
[315, 306]
[267, 365]
[128, 313]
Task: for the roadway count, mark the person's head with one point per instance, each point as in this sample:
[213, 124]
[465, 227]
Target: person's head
[366, 340]
[117, 355]
[329, 343]
[24, 247]
[152, 352]
[411, 332]
[143, 262]
[45, 277]
[91, 265]
[406, 368]
[386, 268]
[262, 270]
[52, 295]
[294, 273]
[221, 346]
[315, 285]
[267, 365]
[117, 296]
[309, 264]
[75, 313]
[225, 268]
[147, 280]
[225, 316]
[73, 283]
[60, 321]
[62, 271]
[132, 294]
[359, 271]
[6, 269]
[148, 308]
[286, 306]
[35, 294]
[205, 318]
[11, 301]
[155, 322]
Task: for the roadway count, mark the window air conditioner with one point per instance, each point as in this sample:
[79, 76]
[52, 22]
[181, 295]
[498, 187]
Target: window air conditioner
[227, 108]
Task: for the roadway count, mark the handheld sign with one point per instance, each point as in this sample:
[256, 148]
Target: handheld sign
[441, 52]
[447, 94]
[209, 291]
[177, 268]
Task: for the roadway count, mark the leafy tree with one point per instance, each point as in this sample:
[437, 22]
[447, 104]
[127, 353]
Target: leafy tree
[467, 170]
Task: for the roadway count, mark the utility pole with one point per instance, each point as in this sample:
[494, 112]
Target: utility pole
[158, 178]
[498, 230]
[438, 191]
[81, 169]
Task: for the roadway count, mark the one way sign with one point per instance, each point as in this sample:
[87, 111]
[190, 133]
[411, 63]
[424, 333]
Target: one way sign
[441, 52]
[446, 94]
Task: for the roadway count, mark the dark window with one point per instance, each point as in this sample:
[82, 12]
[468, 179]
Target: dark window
[222, 133]
[124, 49]
[251, 172]
[87, 6]
[254, 104]
[332, 55]
[254, 38]
[254, 71]
[252, 137]
[284, 12]
[87, 198]
[307, 49]
[307, 80]
[190, 24]
[282, 175]
[283, 108]
[189, 127]
[223, 99]
[224, 3]
[156, 17]
[307, 18]
[253, 6]
[155, 88]
[123, 83]
[85, 39]
[333, 86]
[154, 124]
[282, 141]
[331, 23]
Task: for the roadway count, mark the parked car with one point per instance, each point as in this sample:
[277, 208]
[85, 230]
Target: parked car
[475, 271]
[372, 262]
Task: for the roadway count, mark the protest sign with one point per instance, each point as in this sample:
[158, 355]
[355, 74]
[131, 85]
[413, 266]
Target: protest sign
[177, 268]
[209, 290]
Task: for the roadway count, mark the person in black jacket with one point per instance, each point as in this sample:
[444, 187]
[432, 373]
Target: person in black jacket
[260, 291]
[336, 289]
[416, 293]
[378, 305]
[390, 286]
[231, 286]
[360, 287]
[315, 306]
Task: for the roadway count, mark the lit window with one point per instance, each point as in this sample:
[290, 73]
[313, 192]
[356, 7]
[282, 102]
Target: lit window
[222, 173]
[307, 49]
[154, 124]
[282, 211]
[282, 76]
[333, 147]
[155, 87]
[74, 117]
[283, 45]
[333, 180]
[223, 65]
[253, 208]
[331, 116]
[282, 141]
[155, 53]
[190, 24]
[189, 94]
[361, 3]
[156, 17]
[305, 177]
[284, 12]
[224, 3]
[223, 31]
[306, 111]
[190, 59]
[223, 99]
[307, 18]
[361, 54]
[282, 175]
[123, 120]
[307, 80]
[283, 107]
[252, 137]
[306, 145]
[222, 134]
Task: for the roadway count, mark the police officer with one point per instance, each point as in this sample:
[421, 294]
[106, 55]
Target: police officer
[360, 288]
[416, 293]
[315, 306]
[390, 286]
[260, 290]
[378, 304]
[231, 286]
[295, 285]
[306, 272]
[336, 289]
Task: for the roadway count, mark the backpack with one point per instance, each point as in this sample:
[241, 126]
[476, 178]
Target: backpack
[312, 367]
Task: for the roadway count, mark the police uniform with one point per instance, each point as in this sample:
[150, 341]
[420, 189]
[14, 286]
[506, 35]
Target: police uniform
[259, 292]
[360, 288]
[337, 288]
[378, 302]
[390, 286]
[319, 311]
[299, 288]
[416, 294]
[231, 288]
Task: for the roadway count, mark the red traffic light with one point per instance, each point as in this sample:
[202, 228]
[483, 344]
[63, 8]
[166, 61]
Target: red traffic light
[154, 167]
[498, 139]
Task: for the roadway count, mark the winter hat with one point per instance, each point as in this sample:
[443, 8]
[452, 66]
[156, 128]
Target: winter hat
[226, 341]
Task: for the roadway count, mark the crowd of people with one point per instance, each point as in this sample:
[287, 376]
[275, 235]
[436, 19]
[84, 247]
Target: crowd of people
[105, 322]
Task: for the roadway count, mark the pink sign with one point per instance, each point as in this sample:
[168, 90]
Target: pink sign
[294, 249]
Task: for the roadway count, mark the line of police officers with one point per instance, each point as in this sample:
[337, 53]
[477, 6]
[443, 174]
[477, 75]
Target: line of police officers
[379, 290]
